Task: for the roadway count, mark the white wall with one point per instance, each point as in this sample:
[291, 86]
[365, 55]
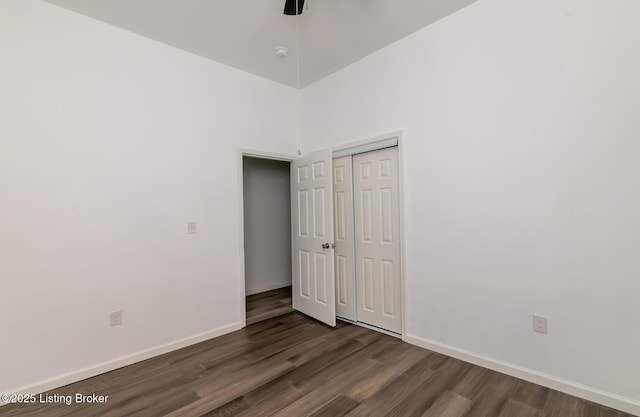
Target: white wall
[109, 144]
[267, 224]
[521, 175]
[520, 172]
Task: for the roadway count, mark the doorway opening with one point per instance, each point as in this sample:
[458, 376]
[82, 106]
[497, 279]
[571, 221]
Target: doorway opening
[267, 237]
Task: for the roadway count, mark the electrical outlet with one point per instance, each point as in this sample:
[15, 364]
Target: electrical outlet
[540, 323]
[191, 228]
[116, 318]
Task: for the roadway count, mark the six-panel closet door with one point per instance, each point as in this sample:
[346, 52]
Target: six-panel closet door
[377, 244]
[367, 237]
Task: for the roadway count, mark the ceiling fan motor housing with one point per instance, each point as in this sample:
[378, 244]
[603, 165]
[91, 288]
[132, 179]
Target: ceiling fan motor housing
[290, 7]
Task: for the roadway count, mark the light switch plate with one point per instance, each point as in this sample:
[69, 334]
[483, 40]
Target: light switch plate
[115, 318]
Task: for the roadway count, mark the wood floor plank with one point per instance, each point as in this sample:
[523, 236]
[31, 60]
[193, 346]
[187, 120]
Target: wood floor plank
[448, 404]
[443, 379]
[513, 408]
[328, 343]
[269, 304]
[559, 405]
[230, 408]
[322, 394]
[588, 409]
[267, 405]
[393, 367]
[262, 398]
[531, 394]
[217, 392]
[291, 365]
[304, 371]
[473, 382]
[339, 406]
[395, 391]
[330, 373]
[147, 404]
[243, 380]
[492, 398]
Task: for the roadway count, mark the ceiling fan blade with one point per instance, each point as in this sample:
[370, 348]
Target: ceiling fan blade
[290, 7]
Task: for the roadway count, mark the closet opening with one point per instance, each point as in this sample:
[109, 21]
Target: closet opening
[266, 194]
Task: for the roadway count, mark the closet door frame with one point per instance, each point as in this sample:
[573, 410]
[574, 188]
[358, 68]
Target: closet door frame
[383, 141]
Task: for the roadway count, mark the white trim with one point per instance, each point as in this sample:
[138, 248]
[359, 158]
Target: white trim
[366, 147]
[252, 153]
[595, 395]
[100, 368]
[364, 141]
[403, 235]
[293, 249]
[241, 284]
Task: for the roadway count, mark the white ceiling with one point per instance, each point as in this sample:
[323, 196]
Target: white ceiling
[244, 34]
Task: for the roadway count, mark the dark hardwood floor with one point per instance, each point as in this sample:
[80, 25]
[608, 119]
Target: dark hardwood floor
[269, 304]
[293, 366]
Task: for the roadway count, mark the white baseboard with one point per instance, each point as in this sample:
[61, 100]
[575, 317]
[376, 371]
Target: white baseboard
[595, 395]
[91, 371]
[264, 288]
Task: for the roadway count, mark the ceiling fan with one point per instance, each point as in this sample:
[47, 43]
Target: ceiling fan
[290, 7]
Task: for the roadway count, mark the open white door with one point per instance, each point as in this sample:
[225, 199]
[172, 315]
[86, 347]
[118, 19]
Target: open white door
[312, 213]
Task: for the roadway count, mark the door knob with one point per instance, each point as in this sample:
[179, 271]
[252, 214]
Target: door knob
[325, 246]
